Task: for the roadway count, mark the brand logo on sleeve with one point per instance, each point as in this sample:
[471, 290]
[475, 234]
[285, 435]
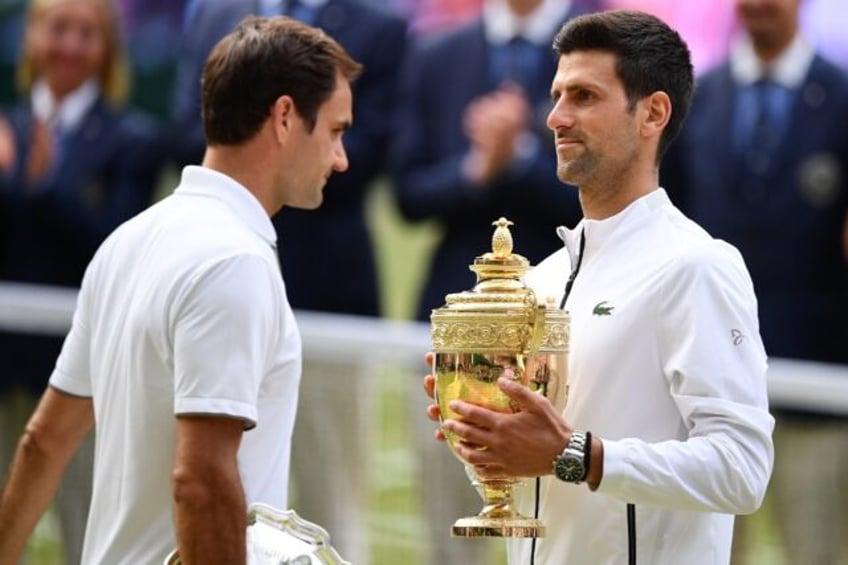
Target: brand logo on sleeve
[738, 337]
[601, 309]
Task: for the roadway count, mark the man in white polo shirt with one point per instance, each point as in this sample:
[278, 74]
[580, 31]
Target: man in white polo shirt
[184, 353]
[667, 419]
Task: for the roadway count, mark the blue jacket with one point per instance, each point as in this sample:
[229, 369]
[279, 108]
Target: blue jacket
[317, 245]
[442, 77]
[50, 230]
[788, 222]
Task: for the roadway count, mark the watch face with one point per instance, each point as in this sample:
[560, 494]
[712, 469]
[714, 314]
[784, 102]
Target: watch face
[569, 467]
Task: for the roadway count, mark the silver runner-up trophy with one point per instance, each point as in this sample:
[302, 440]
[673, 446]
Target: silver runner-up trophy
[499, 328]
[281, 537]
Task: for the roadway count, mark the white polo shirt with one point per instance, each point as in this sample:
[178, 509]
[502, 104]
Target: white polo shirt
[182, 311]
[667, 367]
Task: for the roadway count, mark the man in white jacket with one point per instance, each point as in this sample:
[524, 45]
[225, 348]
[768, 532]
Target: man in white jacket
[667, 422]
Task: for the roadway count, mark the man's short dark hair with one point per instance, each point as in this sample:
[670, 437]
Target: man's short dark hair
[261, 60]
[650, 57]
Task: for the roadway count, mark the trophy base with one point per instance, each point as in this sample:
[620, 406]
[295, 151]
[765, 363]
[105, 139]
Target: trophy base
[512, 527]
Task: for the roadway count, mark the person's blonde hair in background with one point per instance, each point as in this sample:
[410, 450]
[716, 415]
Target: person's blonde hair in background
[113, 74]
[66, 44]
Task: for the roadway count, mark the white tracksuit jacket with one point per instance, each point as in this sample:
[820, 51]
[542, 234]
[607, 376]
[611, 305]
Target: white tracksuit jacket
[666, 367]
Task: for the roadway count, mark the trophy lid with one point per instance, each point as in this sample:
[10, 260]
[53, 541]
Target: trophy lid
[501, 256]
[501, 314]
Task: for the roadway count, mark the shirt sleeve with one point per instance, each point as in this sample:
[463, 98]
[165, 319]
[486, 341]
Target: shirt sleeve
[72, 373]
[223, 329]
[713, 359]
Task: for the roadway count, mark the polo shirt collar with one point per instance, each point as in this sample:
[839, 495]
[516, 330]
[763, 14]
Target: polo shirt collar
[205, 182]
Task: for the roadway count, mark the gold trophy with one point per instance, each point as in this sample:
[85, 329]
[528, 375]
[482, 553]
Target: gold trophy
[499, 328]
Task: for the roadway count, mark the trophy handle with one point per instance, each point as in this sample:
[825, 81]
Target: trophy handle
[537, 328]
[281, 537]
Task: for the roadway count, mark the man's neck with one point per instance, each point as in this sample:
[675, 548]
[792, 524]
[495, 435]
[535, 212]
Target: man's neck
[606, 199]
[240, 164]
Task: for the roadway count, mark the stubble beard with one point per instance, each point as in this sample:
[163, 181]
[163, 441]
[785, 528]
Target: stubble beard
[577, 171]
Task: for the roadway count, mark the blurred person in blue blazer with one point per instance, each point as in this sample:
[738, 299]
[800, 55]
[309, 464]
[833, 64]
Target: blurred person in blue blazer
[73, 165]
[763, 164]
[326, 255]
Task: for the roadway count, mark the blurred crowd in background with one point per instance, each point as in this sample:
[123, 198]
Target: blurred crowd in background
[443, 120]
[154, 29]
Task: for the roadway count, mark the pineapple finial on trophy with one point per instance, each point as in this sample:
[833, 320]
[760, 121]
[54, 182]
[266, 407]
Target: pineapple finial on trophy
[502, 238]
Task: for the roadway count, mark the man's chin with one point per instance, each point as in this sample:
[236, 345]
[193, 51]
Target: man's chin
[310, 205]
[574, 172]
[566, 176]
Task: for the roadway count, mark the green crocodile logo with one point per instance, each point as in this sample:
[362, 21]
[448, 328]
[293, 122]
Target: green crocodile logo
[601, 310]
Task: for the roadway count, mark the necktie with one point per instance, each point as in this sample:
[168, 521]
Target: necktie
[59, 138]
[514, 61]
[763, 114]
[520, 63]
[769, 106]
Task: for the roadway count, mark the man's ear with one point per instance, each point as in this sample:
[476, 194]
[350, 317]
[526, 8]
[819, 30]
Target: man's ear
[657, 113]
[283, 114]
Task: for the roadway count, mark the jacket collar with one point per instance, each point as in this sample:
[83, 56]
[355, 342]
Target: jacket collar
[788, 70]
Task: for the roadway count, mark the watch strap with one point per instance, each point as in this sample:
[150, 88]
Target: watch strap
[587, 456]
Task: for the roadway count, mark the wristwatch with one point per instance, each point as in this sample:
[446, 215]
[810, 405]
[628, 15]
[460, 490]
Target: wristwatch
[572, 466]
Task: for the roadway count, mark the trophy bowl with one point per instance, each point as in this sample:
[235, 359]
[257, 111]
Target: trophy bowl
[499, 328]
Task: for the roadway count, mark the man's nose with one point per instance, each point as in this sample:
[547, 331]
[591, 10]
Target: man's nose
[559, 117]
[340, 163]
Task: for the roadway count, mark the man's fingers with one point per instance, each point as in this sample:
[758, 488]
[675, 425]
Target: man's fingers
[430, 385]
[472, 453]
[470, 434]
[471, 413]
[526, 398]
